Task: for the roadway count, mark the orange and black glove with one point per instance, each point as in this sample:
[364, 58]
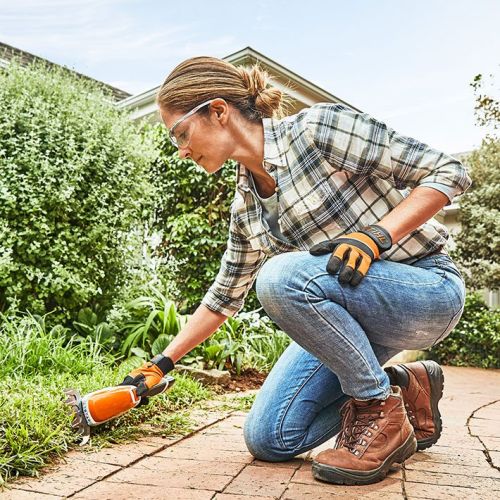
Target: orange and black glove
[355, 250]
[148, 375]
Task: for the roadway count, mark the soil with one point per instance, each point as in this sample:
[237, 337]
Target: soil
[249, 378]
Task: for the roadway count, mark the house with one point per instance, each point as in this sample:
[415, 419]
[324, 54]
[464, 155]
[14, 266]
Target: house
[303, 92]
[7, 53]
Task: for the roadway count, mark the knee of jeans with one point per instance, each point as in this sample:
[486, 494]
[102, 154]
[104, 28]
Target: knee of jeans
[262, 443]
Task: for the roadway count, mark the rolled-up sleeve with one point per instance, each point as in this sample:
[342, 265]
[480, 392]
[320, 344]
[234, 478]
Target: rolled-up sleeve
[451, 192]
[239, 267]
[358, 143]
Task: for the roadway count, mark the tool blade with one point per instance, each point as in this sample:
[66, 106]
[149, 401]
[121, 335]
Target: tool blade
[74, 408]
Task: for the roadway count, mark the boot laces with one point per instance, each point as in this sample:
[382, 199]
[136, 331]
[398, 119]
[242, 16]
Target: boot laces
[359, 424]
[411, 415]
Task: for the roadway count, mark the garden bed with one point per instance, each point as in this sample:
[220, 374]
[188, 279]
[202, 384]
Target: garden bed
[249, 378]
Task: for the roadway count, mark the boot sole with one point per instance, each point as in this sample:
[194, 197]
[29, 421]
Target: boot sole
[436, 380]
[351, 477]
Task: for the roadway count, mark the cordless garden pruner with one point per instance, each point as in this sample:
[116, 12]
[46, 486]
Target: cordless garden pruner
[98, 407]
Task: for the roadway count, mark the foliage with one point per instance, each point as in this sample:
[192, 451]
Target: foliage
[475, 341]
[478, 243]
[72, 191]
[153, 326]
[191, 217]
[89, 326]
[29, 347]
[247, 340]
[487, 107]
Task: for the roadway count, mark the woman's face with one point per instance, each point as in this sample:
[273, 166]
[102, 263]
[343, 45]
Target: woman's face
[204, 139]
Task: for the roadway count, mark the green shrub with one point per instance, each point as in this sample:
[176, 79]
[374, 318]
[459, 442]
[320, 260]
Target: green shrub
[153, 325]
[475, 341]
[479, 216]
[191, 218]
[73, 189]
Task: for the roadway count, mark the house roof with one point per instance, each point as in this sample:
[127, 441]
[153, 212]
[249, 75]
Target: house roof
[7, 53]
[303, 92]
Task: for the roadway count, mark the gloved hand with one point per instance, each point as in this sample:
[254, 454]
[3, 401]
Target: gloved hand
[359, 249]
[148, 375]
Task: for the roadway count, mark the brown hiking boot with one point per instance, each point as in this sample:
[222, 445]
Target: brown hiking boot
[421, 384]
[375, 434]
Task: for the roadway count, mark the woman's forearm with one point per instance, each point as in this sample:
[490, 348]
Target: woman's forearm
[421, 205]
[203, 323]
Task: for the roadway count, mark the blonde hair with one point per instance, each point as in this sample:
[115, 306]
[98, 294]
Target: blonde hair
[202, 78]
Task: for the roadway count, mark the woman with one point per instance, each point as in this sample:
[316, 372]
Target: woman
[348, 267]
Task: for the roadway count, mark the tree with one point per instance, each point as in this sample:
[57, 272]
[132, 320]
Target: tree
[478, 243]
[191, 216]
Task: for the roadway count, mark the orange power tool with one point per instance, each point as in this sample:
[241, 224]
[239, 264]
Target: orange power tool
[98, 407]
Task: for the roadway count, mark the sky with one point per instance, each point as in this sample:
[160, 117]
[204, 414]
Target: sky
[407, 63]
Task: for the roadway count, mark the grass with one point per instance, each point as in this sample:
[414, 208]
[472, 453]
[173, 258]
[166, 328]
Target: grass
[36, 365]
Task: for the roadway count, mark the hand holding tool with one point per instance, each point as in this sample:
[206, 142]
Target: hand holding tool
[108, 403]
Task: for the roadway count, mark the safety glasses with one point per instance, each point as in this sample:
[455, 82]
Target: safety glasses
[183, 139]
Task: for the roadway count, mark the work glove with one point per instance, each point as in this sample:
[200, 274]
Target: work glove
[355, 250]
[148, 375]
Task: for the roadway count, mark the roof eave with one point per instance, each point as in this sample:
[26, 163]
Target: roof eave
[143, 104]
[250, 54]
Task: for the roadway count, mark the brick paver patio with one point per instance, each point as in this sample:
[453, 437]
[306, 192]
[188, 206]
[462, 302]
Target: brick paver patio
[213, 462]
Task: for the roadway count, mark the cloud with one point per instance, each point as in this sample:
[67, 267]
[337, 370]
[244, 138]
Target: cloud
[89, 29]
[87, 33]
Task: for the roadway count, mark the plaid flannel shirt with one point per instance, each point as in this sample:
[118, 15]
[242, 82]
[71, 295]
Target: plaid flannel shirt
[336, 170]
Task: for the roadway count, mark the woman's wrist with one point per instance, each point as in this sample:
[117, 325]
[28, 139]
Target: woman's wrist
[164, 363]
[379, 235]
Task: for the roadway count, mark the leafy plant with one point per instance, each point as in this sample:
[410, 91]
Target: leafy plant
[478, 242]
[245, 341]
[225, 350]
[28, 347]
[88, 325]
[153, 327]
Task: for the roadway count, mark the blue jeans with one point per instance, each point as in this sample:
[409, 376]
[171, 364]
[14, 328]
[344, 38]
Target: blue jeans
[342, 335]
